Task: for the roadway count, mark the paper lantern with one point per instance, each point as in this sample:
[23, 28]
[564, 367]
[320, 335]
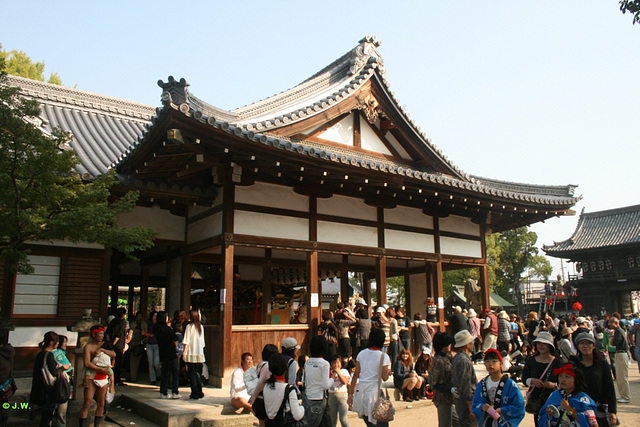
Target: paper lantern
[577, 306]
[549, 301]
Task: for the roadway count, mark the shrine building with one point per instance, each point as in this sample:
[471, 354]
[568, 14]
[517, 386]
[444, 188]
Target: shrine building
[255, 206]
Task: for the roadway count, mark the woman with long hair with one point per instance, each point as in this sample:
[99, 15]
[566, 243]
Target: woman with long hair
[153, 350]
[168, 357]
[193, 354]
[538, 369]
[279, 396]
[531, 325]
[393, 334]
[405, 377]
[371, 366]
[423, 366]
[598, 379]
[42, 396]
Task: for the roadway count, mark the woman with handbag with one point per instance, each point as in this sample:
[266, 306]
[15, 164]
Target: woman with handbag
[281, 402]
[598, 379]
[41, 395]
[372, 367]
[538, 373]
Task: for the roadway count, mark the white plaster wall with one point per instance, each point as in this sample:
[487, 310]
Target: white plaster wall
[341, 132]
[459, 224]
[417, 295]
[404, 240]
[168, 226]
[396, 144]
[404, 215]
[370, 141]
[347, 234]
[205, 228]
[348, 207]
[275, 196]
[30, 336]
[267, 225]
[460, 247]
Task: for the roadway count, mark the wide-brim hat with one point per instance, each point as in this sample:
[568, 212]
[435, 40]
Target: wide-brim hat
[503, 315]
[545, 337]
[472, 313]
[566, 331]
[463, 338]
[580, 320]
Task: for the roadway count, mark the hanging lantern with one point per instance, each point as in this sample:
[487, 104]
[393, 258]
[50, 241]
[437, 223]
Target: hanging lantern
[549, 301]
[577, 306]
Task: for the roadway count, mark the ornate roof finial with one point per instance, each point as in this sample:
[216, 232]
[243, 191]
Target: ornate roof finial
[173, 91]
[366, 51]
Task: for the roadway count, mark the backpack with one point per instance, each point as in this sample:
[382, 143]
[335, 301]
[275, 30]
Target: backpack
[284, 418]
[61, 390]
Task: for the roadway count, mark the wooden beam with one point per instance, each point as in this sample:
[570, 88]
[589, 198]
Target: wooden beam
[484, 287]
[226, 312]
[381, 280]
[313, 313]
[357, 132]
[144, 291]
[439, 293]
[344, 280]
[266, 288]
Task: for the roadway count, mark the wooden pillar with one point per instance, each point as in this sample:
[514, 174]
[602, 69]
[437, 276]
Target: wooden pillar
[484, 287]
[366, 291]
[130, 296]
[407, 295]
[226, 310]
[314, 304]
[185, 285]
[144, 291]
[439, 294]
[344, 280]
[266, 289]
[381, 280]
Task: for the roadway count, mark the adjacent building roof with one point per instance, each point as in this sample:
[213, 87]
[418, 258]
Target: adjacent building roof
[103, 127]
[457, 293]
[600, 230]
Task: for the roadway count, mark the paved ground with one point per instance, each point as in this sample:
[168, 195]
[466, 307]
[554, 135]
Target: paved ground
[214, 409]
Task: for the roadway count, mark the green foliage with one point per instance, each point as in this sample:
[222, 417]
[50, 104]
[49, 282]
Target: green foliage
[43, 198]
[457, 277]
[633, 7]
[395, 291]
[19, 64]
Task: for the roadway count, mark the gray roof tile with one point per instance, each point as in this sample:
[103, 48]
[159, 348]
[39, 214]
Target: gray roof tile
[603, 229]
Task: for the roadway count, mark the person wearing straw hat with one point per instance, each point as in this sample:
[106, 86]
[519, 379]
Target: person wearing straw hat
[538, 369]
[564, 344]
[463, 377]
[504, 336]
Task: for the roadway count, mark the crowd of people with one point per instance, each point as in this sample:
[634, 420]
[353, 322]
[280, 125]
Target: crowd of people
[568, 364]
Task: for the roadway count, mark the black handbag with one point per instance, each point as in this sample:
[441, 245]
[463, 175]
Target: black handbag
[535, 401]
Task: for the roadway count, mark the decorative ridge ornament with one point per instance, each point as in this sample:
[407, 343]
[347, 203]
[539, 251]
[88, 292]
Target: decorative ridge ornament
[367, 52]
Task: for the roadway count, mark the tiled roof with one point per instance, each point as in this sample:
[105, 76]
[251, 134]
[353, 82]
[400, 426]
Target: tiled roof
[103, 127]
[603, 229]
[494, 299]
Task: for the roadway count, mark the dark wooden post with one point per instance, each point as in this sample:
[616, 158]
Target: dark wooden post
[344, 280]
[484, 286]
[439, 294]
[313, 313]
[381, 280]
[226, 315]
[144, 291]
[266, 288]
[185, 289]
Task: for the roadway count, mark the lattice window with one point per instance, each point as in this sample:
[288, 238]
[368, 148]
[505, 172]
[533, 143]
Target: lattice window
[37, 293]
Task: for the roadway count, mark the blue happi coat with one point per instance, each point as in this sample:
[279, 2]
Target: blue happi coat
[512, 405]
[584, 405]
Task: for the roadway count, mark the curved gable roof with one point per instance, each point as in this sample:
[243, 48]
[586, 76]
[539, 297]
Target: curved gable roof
[602, 229]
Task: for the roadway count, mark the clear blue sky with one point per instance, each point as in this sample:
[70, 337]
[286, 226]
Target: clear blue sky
[543, 92]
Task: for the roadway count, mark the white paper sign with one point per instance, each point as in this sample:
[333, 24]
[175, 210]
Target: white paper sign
[440, 302]
[223, 296]
[314, 299]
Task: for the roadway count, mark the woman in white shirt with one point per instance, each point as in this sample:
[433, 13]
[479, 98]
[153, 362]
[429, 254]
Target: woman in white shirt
[274, 394]
[363, 391]
[194, 353]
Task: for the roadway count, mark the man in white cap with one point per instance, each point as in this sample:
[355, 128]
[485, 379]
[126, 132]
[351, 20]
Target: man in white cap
[290, 349]
[463, 377]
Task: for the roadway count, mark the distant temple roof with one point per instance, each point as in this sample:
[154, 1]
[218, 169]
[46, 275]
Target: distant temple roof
[599, 230]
